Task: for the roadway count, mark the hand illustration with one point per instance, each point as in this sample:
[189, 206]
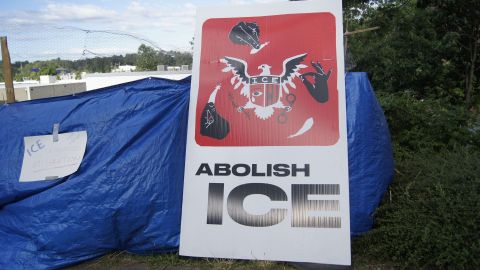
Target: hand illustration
[318, 90]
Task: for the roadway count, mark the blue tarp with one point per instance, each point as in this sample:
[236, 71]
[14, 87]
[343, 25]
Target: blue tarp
[127, 193]
[370, 156]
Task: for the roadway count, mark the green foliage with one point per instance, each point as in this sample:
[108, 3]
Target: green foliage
[431, 219]
[146, 58]
[418, 48]
[434, 124]
[48, 70]
[78, 75]
[18, 77]
[181, 58]
[420, 63]
[458, 22]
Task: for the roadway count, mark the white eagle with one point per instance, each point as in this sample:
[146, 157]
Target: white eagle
[240, 77]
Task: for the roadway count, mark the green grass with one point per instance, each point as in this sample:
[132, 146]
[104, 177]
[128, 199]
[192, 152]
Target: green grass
[126, 261]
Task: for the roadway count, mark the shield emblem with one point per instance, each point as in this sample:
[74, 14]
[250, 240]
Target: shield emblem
[264, 94]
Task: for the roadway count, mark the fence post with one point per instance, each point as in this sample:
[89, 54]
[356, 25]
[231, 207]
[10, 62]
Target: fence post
[7, 71]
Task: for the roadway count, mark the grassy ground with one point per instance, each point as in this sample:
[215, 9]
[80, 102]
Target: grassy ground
[126, 261]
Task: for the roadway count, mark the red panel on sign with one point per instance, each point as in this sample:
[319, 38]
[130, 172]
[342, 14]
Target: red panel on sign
[278, 81]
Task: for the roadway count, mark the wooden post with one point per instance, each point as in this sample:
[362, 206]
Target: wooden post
[361, 31]
[7, 71]
[347, 33]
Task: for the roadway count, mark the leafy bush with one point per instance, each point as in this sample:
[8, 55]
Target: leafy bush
[426, 123]
[431, 219]
[420, 62]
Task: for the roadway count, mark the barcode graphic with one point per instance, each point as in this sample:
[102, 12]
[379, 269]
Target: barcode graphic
[328, 205]
[328, 222]
[215, 203]
[326, 189]
[302, 206]
[316, 189]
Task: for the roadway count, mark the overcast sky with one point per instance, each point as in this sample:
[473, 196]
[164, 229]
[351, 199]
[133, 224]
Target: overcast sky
[45, 29]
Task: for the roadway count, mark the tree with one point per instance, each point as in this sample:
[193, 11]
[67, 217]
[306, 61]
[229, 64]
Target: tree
[78, 75]
[403, 54]
[165, 58]
[147, 58]
[183, 58]
[430, 48]
[48, 70]
[458, 21]
[192, 43]
[130, 58]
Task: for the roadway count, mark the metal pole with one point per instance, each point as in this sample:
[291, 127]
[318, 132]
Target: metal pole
[7, 71]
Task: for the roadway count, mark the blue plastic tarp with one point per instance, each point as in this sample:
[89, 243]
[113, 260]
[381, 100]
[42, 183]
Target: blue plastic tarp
[127, 193]
[370, 156]
[125, 196]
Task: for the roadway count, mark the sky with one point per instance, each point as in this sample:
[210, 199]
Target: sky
[46, 29]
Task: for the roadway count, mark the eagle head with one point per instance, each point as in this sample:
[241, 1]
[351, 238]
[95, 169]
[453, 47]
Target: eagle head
[265, 69]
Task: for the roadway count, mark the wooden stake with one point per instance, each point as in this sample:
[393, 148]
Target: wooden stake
[7, 71]
[361, 31]
[347, 33]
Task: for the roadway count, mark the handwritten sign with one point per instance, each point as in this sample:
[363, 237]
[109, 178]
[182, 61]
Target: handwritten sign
[44, 159]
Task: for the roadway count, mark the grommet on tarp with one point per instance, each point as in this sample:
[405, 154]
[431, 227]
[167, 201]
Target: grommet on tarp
[56, 128]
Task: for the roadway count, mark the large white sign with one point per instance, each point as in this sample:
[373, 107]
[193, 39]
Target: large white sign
[266, 173]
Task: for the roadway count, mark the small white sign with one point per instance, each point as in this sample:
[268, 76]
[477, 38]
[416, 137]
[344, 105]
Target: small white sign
[44, 159]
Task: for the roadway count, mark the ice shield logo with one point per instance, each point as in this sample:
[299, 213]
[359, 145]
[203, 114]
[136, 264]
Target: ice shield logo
[265, 95]
[263, 98]
[251, 94]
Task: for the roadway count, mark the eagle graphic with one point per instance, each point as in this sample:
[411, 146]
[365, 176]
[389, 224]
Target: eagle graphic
[264, 91]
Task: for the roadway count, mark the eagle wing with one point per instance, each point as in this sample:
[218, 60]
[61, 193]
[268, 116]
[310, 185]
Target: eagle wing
[240, 76]
[291, 66]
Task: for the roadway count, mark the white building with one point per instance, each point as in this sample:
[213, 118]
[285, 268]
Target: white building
[100, 80]
[49, 87]
[125, 68]
[21, 89]
[46, 87]
[47, 79]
